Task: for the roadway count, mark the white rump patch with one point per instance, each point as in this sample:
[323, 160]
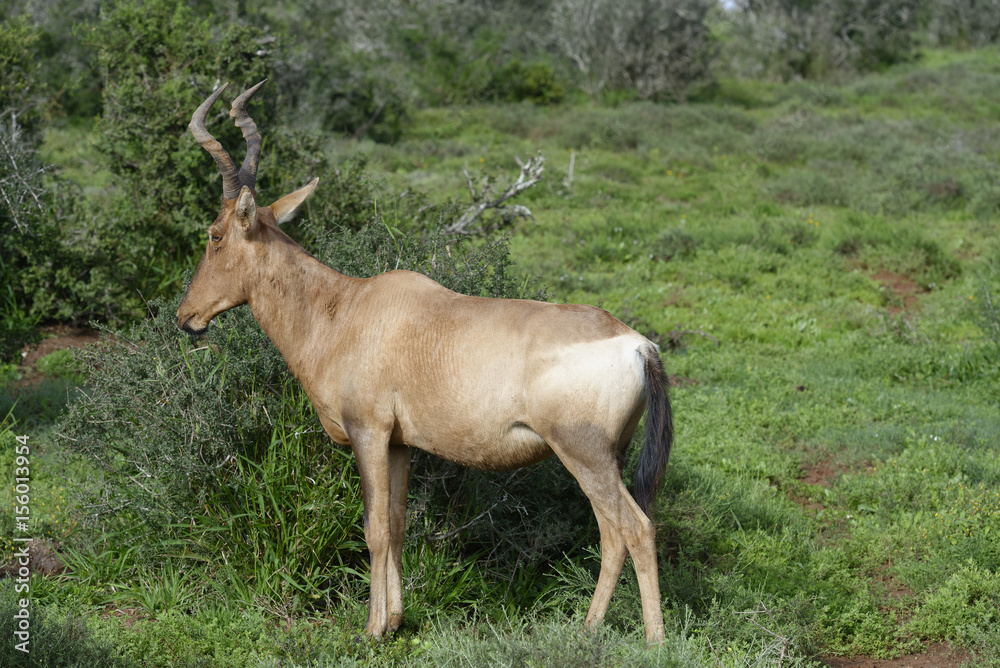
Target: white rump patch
[606, 377]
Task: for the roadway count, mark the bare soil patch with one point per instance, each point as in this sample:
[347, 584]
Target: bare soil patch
[57, 337]
[43, 559]
[893, 589]
[822, 473]
[935, 655]
[903, 287]
[679, 381]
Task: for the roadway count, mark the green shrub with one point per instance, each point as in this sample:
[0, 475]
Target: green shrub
[987, 308]
[25, 206]
[787, 40]
[20, 84]
[673, 243]
[163, 415]
[519, 82]
[335, 70]
[159, 60]
[57, 640]
[968, 602]
[655, 49]
[962, 23]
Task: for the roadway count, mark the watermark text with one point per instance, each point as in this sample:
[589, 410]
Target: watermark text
[22, 538]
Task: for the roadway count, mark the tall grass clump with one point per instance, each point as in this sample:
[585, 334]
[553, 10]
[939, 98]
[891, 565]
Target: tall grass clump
[987, 307]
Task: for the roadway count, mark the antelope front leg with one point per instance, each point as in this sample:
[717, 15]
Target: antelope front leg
[399, 479]
[372, 454]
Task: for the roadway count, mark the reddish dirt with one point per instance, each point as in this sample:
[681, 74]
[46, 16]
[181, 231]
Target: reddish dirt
[57, 337]
[129, 616]
[44, 559]
[936, 655]
[902, 286]
[892, 588]
[821, 474]
[678, 381]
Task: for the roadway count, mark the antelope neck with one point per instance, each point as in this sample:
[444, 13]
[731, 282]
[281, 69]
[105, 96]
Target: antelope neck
[293, 298]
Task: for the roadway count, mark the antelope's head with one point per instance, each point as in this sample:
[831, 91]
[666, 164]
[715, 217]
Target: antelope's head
[236, 238]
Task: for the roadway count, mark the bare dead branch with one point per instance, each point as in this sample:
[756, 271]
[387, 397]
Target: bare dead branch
[568, 181]
[483, 200]
[20, 178]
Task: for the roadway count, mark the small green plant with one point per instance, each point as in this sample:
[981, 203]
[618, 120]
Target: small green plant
[61, 364]
[8, 374]
[967, 602]
[673, 243]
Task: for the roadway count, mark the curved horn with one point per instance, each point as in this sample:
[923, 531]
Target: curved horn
[230, 179]
[248, 172]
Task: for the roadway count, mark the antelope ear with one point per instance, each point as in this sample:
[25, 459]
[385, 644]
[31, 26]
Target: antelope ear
[246, 210]
[284, 209]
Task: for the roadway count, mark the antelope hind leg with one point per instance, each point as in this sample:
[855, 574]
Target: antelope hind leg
[618, 514]
[613, 553]
[631, 524]
[399, 476]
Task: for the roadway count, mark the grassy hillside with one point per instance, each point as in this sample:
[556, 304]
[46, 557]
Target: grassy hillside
[818, 265]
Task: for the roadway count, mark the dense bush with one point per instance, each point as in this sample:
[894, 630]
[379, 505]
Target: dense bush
[963, 23]
[657, 48]
[24, 203]
[159, 60]
[98, 257]
[787, 40]
[66, 63]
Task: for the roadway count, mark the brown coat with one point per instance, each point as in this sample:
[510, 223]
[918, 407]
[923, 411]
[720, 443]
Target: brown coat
[398, 361]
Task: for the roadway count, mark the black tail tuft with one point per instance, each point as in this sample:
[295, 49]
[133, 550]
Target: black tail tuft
[659, 434]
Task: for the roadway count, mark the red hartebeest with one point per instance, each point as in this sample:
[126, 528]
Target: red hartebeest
[398, 361]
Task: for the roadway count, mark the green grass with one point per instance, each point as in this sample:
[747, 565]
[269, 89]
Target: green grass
[835, 486]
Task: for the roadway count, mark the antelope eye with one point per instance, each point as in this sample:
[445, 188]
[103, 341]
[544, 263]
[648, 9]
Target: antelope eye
[215, 237]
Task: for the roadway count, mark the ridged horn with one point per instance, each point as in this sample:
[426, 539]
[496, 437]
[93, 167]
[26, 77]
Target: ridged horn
[230, 177]
[248, 172]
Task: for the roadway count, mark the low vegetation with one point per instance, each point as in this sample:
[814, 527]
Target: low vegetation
[816, 257]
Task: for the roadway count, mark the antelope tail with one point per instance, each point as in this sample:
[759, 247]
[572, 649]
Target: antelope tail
[659, 433]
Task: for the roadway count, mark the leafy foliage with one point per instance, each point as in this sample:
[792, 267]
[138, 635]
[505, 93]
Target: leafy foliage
[24, 202]
[817, 40]
[150, 54]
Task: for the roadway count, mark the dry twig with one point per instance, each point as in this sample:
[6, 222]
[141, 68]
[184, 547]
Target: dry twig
[483, 199]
